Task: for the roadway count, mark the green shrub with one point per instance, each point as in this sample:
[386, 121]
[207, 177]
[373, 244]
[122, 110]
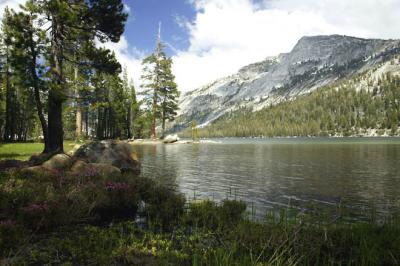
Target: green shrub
[55, 198]
[11, 234]
[207, 214]
[163, 207]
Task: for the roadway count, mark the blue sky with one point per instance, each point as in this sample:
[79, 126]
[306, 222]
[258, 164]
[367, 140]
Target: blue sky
[145, 16]
[210, 39]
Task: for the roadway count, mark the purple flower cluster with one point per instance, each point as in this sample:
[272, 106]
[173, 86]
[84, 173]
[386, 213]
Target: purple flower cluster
[57, 173]
[115, 186]
[36, 208]
[91, 172]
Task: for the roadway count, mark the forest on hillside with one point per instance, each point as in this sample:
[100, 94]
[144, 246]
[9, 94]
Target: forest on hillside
[334, 110]
[59, 82]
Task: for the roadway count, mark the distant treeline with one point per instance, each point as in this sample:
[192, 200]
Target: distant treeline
[347, 109]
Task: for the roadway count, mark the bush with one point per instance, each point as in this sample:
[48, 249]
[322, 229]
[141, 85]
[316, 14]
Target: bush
[163, 207]
[11, 235]
[207, 214]
[55, 198]
[76, 220]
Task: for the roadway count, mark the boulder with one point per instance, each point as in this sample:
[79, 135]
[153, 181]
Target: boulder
[58, 161]
[115, 153]
[39, 159]
[171, 138]
[105, 169]
[35, 170]
[74, 149]
[80, 167]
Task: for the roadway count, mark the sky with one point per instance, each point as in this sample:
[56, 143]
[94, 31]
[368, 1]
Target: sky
[210, 39]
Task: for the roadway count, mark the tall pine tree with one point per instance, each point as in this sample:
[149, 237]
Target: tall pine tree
[99, 19]
[160, 90]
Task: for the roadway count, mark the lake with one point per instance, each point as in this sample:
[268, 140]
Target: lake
[358, 173]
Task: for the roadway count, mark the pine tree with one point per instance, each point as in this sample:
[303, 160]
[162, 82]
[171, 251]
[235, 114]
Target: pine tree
[8, 89]
[151, 85]
[134, 108]
[27, 43]
[131, 104]
[169, 93]
[160, 90]
[103, 20]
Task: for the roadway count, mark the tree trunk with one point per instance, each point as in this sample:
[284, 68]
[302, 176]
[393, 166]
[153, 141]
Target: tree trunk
[129, 120]
[78, 118]
[56, 133]
[153, 122]
[43, 121]
[86, 122]
[100, 125]
[163, 125]
[39, 105]
[7, 128]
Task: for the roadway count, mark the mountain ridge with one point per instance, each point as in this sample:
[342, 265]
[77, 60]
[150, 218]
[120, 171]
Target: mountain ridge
[315, 61]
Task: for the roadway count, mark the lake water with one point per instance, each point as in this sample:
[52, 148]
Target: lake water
[358, 173]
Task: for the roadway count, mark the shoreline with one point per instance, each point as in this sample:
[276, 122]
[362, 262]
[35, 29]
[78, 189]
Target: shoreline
[219, 139]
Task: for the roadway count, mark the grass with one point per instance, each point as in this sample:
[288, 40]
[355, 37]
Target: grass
[22, 151]
[58, 219]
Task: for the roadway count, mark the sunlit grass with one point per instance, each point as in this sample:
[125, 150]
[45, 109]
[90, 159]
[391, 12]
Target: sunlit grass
[22, 151]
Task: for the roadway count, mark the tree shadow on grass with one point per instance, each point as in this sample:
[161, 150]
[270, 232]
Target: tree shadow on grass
[8, 156]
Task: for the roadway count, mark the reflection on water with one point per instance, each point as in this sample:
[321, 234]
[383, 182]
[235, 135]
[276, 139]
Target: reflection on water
[270, 173]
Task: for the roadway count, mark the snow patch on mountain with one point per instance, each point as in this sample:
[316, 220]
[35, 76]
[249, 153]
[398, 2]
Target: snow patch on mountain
[314, 62]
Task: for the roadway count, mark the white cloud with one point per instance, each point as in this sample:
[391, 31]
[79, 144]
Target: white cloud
[127, 8]
[228, 34]
[14, 4]
[129, 57]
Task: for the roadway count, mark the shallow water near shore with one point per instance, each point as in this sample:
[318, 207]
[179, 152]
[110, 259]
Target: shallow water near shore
[359, 174]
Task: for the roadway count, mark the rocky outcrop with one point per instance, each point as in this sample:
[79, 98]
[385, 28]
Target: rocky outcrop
[36, 170]
[58, 162]
[105, 158]
[80, 167]
[105, 169]
[74, 149]
[117, 154]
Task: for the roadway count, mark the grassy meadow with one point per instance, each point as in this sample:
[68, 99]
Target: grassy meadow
[22, 151]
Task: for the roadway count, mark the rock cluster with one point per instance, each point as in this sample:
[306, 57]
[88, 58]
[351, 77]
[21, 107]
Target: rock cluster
[118, 154]
[102, 157]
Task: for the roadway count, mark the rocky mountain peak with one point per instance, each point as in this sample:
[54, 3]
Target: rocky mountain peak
[315, 61]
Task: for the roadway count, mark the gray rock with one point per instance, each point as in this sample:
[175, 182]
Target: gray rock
[115, 153]
[171, 138]
[80, 167]
[35, 170]
[74, 149]
[58, 161]
[105, 169]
